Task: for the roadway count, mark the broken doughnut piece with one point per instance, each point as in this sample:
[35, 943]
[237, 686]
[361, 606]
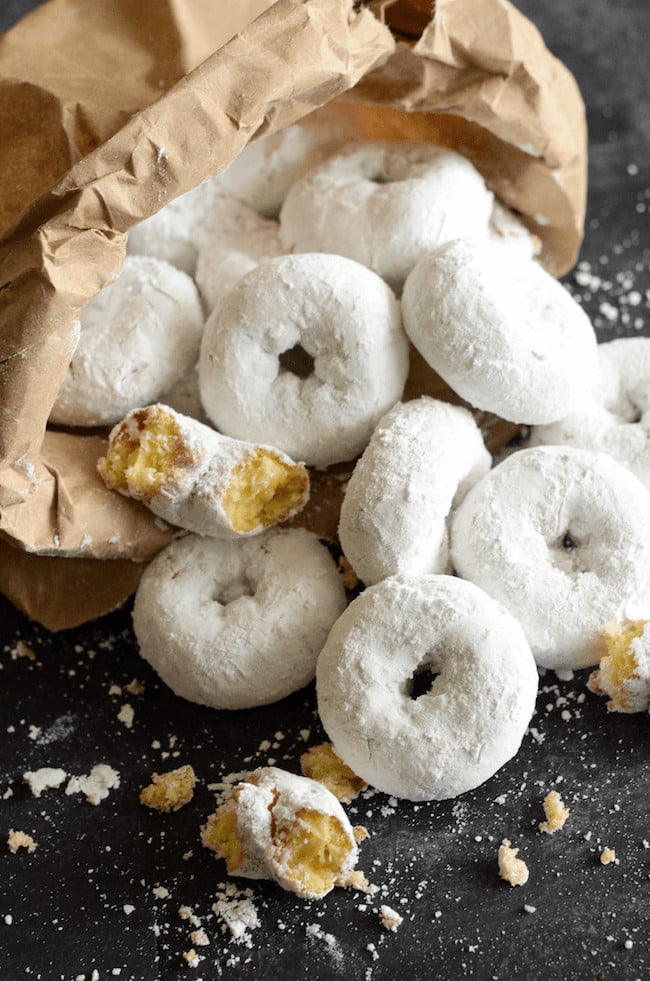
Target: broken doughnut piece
[512, 869]
[321, 763]
[556, 813]
[285, 827]
[624, 671]
[198, 479]
[169, 791]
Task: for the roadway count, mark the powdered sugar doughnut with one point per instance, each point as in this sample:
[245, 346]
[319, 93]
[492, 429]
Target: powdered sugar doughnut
[346, 320]
[234, 240]
[139, 335]
[384, 204]
[470, 722]
[422, 459]
[195, 478]
[266, 168]
[501, 331]
[172, 233]
[506, 228]
[561, 537]
[617, 420]
[234, 624]
[276, 825]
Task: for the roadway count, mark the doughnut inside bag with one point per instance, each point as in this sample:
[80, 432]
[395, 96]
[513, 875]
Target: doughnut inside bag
[98, 161]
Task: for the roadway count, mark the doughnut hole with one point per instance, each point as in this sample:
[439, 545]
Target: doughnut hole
[618, 666]
[313, 852]
[220, 835]
[263, 491]
[423, 678]
[322, 764]
[235, 590]
[567, 553]
[297, 361]
[142, 452]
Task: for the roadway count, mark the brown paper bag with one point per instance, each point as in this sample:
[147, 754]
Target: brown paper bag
[477, 78]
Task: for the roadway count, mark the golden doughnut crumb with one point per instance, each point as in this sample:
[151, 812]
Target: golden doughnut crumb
[390, 918]
[312, 852]
[321, 763]
[349, 578]
[360, 833]
[18, 839]
[220, 835]
[512, 869]
[607, 856]
[263, 491]
[169, 791]
[556, 813]
[142, 452]
[619, 669]
[353, 879]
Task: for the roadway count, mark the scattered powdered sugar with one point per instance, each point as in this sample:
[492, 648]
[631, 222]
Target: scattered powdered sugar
[238, 912]
[96, 784]
[330, 942]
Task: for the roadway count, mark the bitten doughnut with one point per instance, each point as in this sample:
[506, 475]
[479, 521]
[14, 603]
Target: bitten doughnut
[421, 460]
[234, 240]
[624, 670]
[139, 336]
[172, 233]
[501, 331]
[198, 479]
[384, 204]
[468, 723]
[338, 317]
[617, 420]
[234, 624]
[561, 537]
[276, 825]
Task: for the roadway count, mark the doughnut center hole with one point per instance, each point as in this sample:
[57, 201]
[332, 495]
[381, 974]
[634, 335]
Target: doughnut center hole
[297, 361]
[635, 414]
[234, 591]
[568, 542]
[421, 681]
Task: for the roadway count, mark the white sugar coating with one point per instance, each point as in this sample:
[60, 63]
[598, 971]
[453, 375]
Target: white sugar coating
[501, 331]
[234, 240]
[44, 779]
[234, 624]
[344, 317]
[184, 396]
[471, 721]
[384, 204]
[172, 233]
[508, 229]
[422, 459]
[561, 537]
[193, 492]
[139, 335]
[96, 784]
[617, 420]
[268, 806]
[266, 168]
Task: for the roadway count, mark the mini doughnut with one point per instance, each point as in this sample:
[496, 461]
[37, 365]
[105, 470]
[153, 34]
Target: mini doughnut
[343, 318]
[266, 168]
[172, 233]
[139, 336]
[420, 462]
[507, 229]
[235, 624]
[473, 717]
[198, 479]
[617, 420]
[501, 331]
[624, 670]
[384, 204]
[276, 825]
[233, 241]
[561, 537]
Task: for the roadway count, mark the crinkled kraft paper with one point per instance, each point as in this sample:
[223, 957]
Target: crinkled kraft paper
[110, 109]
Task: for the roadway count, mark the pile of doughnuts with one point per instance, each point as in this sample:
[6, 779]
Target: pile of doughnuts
[316, 267]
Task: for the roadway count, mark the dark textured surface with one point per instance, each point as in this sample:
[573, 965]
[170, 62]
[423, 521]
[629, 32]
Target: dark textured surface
[435, 862]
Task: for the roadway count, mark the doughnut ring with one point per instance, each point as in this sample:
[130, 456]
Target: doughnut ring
[384, 204]
[239, 623]
[501, 331]
[340, 318]
[561, 537]
[420, 462]
[472, 719]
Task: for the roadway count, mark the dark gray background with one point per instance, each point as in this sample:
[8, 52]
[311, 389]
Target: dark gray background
[67, 900]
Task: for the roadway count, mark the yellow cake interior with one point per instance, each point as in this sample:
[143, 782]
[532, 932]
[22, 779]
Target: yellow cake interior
[321, 763]
[264, 490]
[314, 852]
[619, 664]
[220, 834]
[169, 791]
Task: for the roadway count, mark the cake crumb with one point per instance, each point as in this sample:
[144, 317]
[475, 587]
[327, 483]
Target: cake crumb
[135, 687]
[530, 909]
[556, 813]
[607, 856]
[321, 763]
[390, 919]
[349, 578]
[18, 839]
[169, 791]
[199, 937]
[23, 650]
[192, 958]
[512, 869]
[46, 778]
[126, 715]
[96, 784]
[360, 833]
[353, 879]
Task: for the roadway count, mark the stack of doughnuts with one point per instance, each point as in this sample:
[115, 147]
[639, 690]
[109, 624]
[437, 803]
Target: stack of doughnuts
[316, 267]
